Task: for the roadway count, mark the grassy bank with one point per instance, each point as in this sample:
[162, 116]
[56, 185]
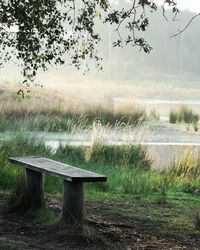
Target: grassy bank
[51, 111]
[136, 202]
[127, 167]
[161, 203]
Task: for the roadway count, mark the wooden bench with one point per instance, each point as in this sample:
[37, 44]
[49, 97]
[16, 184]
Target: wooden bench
[74, 178]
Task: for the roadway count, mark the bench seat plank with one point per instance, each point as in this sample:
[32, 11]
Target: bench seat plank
[52, 167]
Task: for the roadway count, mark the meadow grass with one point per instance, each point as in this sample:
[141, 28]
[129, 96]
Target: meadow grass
[55, 112]
[133, 191]
[128, 169]
[168, 196]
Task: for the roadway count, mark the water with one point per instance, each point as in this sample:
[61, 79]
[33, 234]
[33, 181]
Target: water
[157, 101]
[162, 154]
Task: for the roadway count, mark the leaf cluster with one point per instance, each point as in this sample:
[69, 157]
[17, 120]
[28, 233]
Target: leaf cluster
[39, 33]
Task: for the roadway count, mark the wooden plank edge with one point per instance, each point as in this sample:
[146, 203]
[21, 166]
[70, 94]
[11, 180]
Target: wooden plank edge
[100, 178]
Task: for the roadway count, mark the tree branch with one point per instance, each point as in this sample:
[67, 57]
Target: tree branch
[191, 20]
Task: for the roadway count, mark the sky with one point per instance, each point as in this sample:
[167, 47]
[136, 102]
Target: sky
[192, 5]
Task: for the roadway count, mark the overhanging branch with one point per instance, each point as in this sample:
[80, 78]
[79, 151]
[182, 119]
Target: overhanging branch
[181, 31]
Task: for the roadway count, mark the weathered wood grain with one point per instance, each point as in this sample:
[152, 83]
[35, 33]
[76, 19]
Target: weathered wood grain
[73, 193]
[58, 169]
[73, 202]
[34, 188]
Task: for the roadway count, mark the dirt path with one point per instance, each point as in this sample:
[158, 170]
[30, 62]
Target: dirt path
[102, 231]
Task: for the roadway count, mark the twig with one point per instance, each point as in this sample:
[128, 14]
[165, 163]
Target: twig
[109, 224]
[181, 31]
[163, 11]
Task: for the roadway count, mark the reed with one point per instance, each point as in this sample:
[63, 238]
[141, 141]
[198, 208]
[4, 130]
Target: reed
[48, 112]
[183, 114]
[128, 168]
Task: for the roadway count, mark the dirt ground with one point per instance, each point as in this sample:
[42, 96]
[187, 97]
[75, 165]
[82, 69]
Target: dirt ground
[102, 231]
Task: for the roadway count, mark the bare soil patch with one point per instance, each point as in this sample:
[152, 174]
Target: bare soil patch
[102, 230]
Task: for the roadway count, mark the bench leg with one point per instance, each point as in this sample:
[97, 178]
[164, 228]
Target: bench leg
[73, 202]
[34, 189]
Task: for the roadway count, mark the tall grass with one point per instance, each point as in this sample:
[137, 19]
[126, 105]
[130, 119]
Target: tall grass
[123, 176]
[183, 114]
[127, 167]
[98, 153]
[53, 112]
[123, 155]
[19, 146]
[187, 172]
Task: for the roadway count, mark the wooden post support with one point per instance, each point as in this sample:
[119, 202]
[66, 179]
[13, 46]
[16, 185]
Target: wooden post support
[34, 189]
[73, 202]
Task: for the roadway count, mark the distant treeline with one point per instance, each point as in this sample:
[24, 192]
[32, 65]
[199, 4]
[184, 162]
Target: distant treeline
[171, 57]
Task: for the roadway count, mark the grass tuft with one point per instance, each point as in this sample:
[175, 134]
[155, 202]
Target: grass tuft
[183, 114]
[125, 155]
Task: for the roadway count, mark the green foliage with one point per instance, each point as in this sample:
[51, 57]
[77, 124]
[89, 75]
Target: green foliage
[7, 124]
[173, 116]
[163, 187]
[53, 123]
[197, 221]
[72, 153]
[127, 168]
[18, 146]
[121, 178]
[162, 198]
[106, 115]
[188, 167]
[47, 31]
[118, 155]
[186, 173]
[183, 114]
[98, 153]
[23, 146]
[54, 120]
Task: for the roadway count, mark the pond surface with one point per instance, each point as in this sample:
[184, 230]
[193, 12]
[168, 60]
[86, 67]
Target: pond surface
[159, 101]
